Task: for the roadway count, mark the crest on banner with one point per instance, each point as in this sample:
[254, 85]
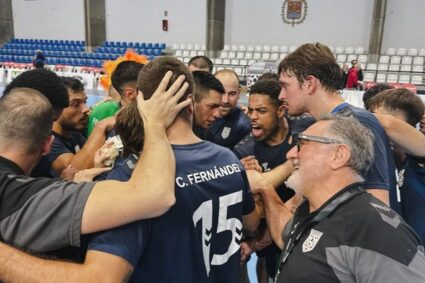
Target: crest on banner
[294, 11]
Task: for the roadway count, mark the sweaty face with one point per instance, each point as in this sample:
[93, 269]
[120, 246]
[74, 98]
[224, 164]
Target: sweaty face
[208, 109]
[229, 99]
[75, 116]
[293, 94]
[263, 115]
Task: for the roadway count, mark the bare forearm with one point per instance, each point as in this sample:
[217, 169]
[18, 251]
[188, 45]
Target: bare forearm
[84, 159]
[403, 135]
[277, 215]
[17, 266]
[279, 174]
[149, 192]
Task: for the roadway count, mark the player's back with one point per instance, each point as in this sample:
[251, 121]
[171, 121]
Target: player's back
[198, 239]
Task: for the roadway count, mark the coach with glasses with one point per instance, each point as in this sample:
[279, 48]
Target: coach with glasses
[339, 233]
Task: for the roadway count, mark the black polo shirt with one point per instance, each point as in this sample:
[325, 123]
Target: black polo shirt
[351, 238]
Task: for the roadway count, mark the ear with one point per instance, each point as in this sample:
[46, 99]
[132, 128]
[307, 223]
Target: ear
[311, 84]
[47, 145]
[130, 93]
[190, 107]
[341, 156]
[281, 111]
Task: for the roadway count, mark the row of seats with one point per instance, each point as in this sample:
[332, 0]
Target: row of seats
[404, 51]
[48, 41]
[395, 59]
[121, 50]
[395, 67]
[44, 47]
[95, 60]
[265, 48]
[416, 79]
[124, 44]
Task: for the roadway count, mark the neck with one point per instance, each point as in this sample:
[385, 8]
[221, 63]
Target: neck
[280, 134]
[325, 190]
[324, 103]
[25, 161]
[180, 133]
[57, 128]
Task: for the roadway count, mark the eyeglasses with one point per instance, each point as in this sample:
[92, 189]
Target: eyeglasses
[325, 140]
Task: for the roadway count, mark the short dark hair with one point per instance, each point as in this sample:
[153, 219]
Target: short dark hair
[125, 72]
[313, 59]
[201, 61]
[400, 99]
[128, 126]
[73, 84]
[151, 75]
[46, 82]
[268, 76]
[26, 119]
[372, 91]
[204, 82]
[271, 88]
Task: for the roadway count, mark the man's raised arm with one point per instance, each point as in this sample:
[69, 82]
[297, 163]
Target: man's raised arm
[150, 191]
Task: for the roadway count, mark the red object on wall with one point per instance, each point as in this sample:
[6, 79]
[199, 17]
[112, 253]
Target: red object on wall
[165, 25]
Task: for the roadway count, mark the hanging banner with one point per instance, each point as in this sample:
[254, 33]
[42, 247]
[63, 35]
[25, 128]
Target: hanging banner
[294, 11]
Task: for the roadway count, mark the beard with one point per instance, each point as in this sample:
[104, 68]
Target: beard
[294, 182]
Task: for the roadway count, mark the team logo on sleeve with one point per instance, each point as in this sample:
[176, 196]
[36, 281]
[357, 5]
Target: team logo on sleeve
[311, 240]
[226, 132]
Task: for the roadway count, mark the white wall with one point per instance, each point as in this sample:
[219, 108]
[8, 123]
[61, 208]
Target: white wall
[49, 19]
[141, 20]
[334, 22]
[404, 24]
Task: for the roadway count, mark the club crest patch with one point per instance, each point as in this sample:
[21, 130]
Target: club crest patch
[311, 240]
[226, 132]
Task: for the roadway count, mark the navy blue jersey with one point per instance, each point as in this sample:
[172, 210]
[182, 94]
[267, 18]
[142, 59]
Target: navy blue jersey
[412, 187]
[382, 173]
[71, 144]
[230, 130]
[123, 168]
[198, 239]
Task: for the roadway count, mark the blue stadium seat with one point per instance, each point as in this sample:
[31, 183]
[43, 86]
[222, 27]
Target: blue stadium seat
[157, 52]
[149, 45]
[162, 46]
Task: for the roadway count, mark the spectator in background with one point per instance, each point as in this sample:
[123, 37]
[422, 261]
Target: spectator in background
[38, 60]
[200, 63]
[355, 74]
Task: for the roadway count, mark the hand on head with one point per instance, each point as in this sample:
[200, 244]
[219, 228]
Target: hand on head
[163, 106]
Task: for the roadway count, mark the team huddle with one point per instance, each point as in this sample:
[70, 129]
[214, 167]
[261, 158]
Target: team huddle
[170, 180]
